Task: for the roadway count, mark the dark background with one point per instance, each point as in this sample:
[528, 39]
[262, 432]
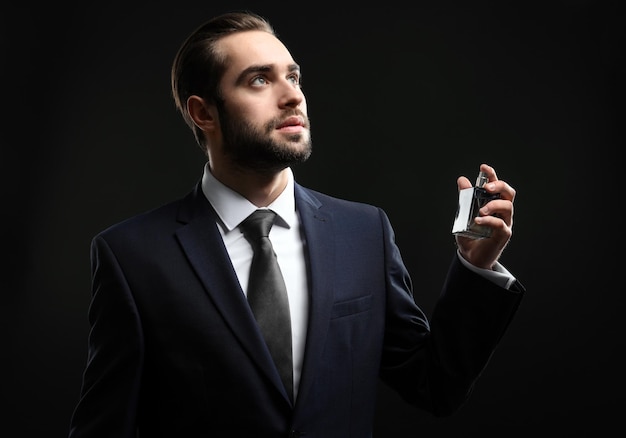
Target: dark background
[402, 100]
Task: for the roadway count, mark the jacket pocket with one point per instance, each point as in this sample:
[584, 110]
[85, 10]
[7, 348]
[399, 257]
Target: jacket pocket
[351, 307]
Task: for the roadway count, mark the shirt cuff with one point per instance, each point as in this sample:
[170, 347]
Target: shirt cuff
[499, 275]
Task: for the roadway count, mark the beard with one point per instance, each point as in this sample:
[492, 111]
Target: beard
[253, 148]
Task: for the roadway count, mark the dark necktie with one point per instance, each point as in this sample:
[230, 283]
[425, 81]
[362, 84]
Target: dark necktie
[267, 294]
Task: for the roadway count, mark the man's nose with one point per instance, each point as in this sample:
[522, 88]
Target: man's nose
[291, 96]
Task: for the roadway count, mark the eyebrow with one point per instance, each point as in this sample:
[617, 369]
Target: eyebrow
[261, 69]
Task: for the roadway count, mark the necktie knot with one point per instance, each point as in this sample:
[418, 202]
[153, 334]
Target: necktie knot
[258, 224]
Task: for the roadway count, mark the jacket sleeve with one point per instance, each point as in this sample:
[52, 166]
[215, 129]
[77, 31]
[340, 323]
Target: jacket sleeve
[111, 380]
[435, 364]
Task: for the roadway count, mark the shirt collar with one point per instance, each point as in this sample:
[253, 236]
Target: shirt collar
[232, 208]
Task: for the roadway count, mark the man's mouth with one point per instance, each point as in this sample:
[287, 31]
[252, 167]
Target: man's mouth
[292, 122]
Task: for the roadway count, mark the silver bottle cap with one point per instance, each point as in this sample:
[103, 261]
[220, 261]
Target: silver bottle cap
[482, 179]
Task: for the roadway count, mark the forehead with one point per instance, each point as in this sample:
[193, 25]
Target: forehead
[244, 49]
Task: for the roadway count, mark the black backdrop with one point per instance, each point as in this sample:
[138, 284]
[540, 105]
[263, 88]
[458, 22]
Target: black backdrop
[402, 100]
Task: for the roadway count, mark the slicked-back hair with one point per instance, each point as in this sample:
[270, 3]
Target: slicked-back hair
[198, 68]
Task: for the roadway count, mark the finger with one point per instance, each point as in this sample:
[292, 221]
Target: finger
[498, 208]
[502, 187]
[499, 224]
[489, 171]
[463, 183]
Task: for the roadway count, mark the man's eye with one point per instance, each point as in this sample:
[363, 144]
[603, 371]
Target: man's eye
[295, 79]
[259, 80]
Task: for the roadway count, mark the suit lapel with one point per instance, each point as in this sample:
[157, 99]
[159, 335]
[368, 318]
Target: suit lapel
[203, 245]
[319, 233]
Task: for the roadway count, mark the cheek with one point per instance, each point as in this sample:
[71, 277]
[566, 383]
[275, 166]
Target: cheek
[252, 110]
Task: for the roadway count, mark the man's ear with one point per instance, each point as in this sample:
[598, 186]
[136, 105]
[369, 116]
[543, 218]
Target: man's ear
[202, 114]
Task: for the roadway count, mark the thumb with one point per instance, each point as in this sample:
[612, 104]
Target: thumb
[463, 183]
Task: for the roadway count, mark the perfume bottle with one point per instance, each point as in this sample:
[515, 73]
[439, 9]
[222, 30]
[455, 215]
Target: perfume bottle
[470, 201]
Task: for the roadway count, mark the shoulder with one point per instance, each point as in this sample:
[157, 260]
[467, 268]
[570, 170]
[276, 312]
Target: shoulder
[325, 201]
[158, 220]
[143, 223]
[355, 214]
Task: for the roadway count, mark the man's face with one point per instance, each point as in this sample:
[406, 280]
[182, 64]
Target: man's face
[263, 117]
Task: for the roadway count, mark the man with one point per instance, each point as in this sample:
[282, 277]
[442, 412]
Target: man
[175, 349]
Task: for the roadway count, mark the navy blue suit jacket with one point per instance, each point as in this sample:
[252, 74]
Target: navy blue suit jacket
[174, 350]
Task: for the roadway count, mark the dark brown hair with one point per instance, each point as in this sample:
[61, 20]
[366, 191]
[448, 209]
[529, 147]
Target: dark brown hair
[198, 67]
